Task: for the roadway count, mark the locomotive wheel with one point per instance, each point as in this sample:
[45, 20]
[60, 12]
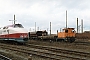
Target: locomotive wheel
[71, 40]
[59, 40]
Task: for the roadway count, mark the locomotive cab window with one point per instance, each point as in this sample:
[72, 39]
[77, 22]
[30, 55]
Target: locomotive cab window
[66, 31]
[73, 31]
[18, 26]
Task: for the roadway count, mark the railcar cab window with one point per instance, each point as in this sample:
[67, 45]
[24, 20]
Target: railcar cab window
[18, 26]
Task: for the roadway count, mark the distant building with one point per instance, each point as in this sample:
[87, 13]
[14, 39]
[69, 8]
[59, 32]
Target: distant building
[86, 31]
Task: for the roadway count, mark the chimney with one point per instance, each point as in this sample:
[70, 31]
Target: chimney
[66, 18]
[82, 26]
[50, 28]
[14, 19]
[77, 25]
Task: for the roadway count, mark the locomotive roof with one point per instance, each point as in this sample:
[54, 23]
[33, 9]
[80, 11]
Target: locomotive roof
[68, 28]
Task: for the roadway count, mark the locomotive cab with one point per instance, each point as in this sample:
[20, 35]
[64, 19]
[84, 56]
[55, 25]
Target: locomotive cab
[68, 35]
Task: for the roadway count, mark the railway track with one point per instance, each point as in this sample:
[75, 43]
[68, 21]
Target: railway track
[2, 57]
[48, 52]
[59, 50]
[82, 43]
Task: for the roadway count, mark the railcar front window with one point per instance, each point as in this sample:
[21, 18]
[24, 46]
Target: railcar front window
[18, 25]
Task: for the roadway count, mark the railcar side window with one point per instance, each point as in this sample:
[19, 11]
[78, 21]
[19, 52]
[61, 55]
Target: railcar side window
[0, 32]
[5, 27]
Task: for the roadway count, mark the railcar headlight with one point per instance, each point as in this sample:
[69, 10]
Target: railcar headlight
[25, 36]
[21, 36]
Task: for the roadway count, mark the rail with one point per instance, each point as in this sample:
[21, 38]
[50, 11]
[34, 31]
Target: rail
[2, 57]
[59, 50]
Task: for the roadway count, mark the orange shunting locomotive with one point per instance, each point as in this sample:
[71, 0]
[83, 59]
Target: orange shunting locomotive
[68, 34]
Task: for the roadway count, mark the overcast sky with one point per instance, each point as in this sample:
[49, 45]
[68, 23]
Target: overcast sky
[43, 12]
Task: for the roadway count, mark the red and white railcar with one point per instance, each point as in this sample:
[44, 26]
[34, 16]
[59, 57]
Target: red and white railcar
[14, 32]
